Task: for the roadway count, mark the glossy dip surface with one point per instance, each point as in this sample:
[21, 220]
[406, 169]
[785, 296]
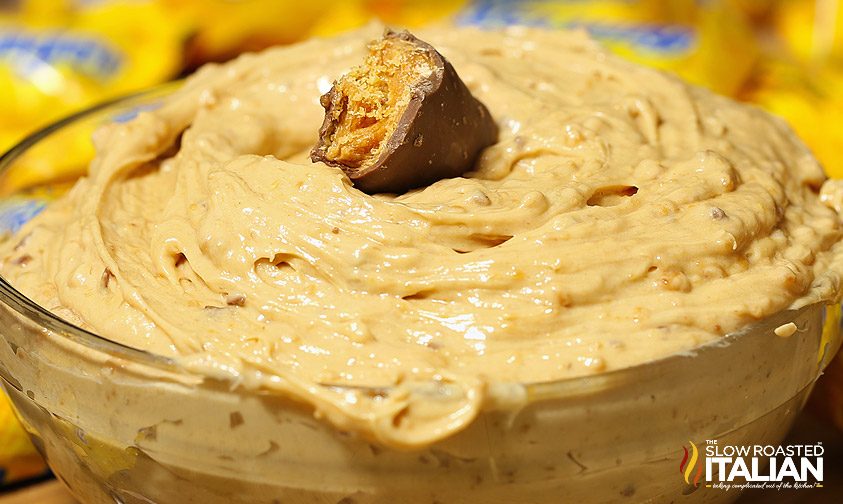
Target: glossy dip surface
[622, 217]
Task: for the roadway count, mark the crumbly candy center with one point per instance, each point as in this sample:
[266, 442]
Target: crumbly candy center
[372, 99]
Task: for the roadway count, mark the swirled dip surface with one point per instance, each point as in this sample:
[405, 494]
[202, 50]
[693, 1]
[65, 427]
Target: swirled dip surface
[623, 216]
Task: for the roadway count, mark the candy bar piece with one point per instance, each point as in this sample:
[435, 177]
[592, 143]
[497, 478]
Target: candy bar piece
[403, 119]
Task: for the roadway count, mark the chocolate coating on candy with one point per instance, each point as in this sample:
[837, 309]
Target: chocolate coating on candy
[402, 120]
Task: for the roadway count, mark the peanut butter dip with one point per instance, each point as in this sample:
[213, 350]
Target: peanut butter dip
[622, 217]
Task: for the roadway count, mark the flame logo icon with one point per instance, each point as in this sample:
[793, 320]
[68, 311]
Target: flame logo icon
[686, 467]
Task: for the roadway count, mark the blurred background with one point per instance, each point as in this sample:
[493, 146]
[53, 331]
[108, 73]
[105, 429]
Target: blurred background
[59, 56]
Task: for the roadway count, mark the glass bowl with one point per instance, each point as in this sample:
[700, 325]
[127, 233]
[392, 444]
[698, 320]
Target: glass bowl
[119, 424]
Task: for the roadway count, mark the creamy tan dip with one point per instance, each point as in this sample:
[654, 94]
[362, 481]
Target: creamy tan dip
[622, 217]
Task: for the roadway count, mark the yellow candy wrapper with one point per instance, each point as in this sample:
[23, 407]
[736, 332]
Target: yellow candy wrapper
[18, 459]
[58, 57]
[222, 29]
[811, 29]
[406, 13]
[811, 100]
[708, 43]
[697, 40]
